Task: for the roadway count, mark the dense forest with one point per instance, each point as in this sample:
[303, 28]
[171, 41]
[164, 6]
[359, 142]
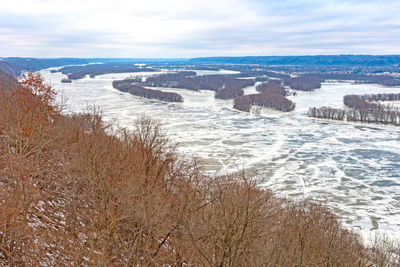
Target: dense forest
[167, 79]
[225, 86]
[128, 87]
[272, 96]
[304, 82]
[78, 191]
[268, 100]
[272, 85]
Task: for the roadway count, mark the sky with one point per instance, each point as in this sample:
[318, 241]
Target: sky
[189, 28]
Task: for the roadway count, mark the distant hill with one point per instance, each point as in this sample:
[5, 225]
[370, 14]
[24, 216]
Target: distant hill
[35, 64]
[9, 68]
[7, 82]
[333, 60]
[14, 66]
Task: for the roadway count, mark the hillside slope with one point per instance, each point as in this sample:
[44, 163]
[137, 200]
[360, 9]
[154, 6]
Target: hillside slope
[7, 82]
[74, 191]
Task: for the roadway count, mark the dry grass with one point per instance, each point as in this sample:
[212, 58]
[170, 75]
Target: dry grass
[75, 192]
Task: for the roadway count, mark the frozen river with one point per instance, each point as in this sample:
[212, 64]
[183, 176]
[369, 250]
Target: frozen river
[353, 168]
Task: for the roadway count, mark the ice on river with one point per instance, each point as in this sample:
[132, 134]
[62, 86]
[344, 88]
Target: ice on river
[353, 168]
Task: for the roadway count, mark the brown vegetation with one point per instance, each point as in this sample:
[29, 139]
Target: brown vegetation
[327, 113]
[272, 100]
[242, 103]
[365, 111]
[128, 87]
[360, 110]
[9, 69]
[381, 97]
[272, 96]
[73, 191]
[306, 82]
[225, 86]
[167, 79]
[7, 81]
[273, 86]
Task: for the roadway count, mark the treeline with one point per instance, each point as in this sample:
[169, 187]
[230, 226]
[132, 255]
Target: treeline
[362, 102]
[229, 92]
[313, 77]
[242, 103]
[272, 96]
[79, 72]
[233, 88]
[360, 110]
[272, 86]
[380, 97]
[225, 86]
[328, 113]
[378, 116]
[271, 100]
[365, 111]
[78, 191]
[250, 72]
[362, 78]
[306, 82]
[66, 81]
[127, 87]
[170, 80]
[357, 102]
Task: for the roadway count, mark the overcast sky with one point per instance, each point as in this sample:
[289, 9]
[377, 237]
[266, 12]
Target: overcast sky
[186, 28]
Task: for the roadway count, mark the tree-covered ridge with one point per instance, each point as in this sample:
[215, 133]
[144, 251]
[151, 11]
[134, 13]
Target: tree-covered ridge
[7, 81]
[9, 69]
[319, 60]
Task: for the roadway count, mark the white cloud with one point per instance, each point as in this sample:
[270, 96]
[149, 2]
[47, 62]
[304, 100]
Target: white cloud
[184, 28]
